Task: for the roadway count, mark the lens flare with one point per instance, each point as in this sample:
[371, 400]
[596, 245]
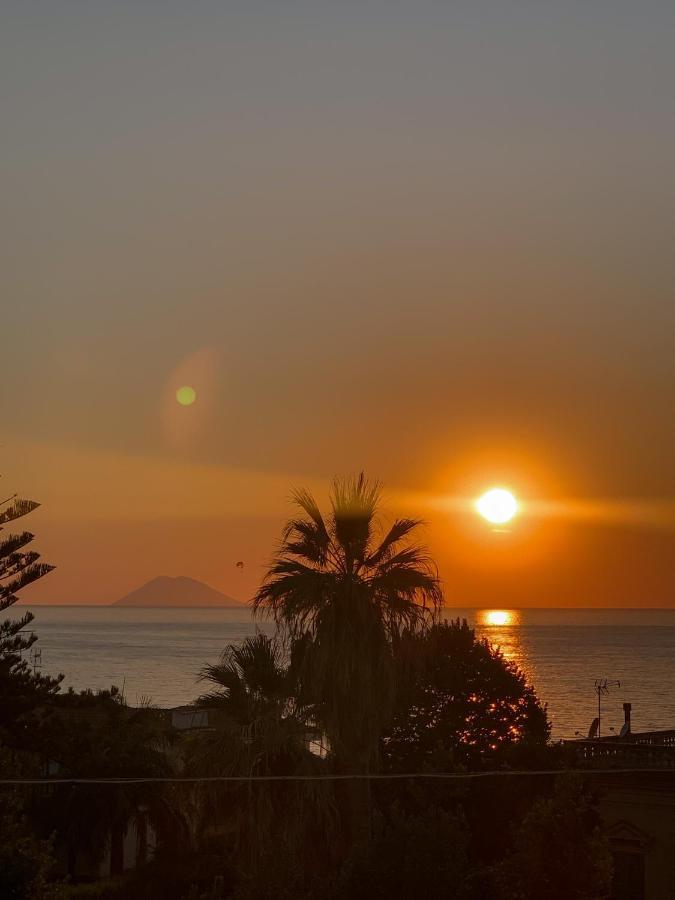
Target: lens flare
[497, 506]
[186, 395]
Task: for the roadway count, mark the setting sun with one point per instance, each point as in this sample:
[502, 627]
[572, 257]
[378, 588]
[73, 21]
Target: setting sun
[497, 617]
[497, 506]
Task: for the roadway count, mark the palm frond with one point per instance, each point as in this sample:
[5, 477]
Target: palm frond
[247, 671]
[354, 504]
[292, 592]
[409, 581]
[399, 530]
[305, 500]
[306, 540]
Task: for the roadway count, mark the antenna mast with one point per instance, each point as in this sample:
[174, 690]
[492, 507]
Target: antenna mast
[602, 687]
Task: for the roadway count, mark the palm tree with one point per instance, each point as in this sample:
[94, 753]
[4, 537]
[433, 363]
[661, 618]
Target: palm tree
[261, 728]
[350, 592]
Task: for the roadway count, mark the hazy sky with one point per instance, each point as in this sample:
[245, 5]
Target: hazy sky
[431, 239]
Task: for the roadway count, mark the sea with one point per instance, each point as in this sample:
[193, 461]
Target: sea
[155, 655]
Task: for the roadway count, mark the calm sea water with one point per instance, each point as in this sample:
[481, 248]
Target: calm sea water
[157, 653]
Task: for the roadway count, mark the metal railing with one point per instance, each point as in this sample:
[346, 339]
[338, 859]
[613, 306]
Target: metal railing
[649, 750]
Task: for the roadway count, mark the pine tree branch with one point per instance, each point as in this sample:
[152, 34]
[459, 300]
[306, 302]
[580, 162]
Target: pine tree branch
[28, 576]
[14, 542]
[16, 563]
[18, 509]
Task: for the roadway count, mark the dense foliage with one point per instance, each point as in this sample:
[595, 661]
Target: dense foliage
[558, 849]
[26, 862]
[96, 735]
[414, 855]
[260, 729]
[459, 702]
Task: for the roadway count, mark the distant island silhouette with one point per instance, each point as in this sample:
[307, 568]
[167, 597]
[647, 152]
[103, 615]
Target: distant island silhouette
[180, 591]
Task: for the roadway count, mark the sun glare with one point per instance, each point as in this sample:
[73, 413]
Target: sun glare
[497, 506]
[497, 617]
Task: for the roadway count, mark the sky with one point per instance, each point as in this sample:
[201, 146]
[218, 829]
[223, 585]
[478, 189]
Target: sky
[430, 240]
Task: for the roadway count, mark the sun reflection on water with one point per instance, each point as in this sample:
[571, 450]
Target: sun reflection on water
[500, 627]
[499, 617]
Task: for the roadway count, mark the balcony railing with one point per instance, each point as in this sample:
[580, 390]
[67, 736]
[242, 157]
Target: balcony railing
[647, 749]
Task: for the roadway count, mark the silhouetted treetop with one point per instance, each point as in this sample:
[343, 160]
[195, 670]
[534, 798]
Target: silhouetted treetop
[350, 588]
[459, 701]
[20, 688]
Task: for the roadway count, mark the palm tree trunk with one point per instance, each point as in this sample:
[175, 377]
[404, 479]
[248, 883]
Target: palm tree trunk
[360, 811]
[358, 804]
[117, 849]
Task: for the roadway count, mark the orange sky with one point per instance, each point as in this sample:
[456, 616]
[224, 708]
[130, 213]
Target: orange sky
[431, 241]
[112, 520]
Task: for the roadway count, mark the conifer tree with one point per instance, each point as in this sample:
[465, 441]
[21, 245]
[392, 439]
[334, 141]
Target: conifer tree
[20, 688]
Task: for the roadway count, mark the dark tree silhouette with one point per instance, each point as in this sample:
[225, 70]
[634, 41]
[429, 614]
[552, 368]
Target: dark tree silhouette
[25, 861]
[261, 729]
[258, 728]
[20, 688]
[460, 702]
[415, 855]
[558, 851]
[350, 594]
[96, 735]
[348, 590]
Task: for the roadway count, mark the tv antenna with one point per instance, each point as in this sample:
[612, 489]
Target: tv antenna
[602, 686]
[36, 658]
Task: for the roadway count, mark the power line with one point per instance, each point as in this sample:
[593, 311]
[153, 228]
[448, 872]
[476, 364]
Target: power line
[447, 776]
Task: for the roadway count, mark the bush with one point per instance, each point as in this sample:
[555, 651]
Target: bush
[186, 876]
[558, 850]
[25, 861]
[415, 856]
